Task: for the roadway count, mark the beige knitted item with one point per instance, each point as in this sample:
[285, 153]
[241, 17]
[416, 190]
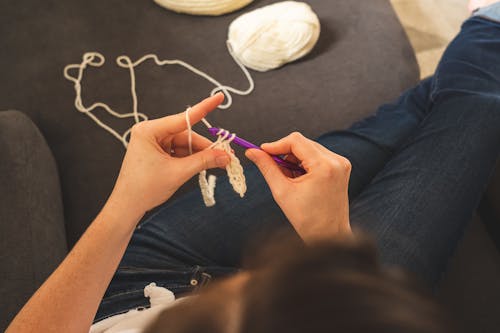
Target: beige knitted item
[233, 168]
[203, 7]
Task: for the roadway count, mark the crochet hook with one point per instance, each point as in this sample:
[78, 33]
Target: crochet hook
[248, 145]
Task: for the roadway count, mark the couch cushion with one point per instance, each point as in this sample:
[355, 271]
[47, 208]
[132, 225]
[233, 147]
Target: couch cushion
[361, 60]
[32, 237]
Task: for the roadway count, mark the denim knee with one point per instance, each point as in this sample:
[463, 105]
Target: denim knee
[470, 64]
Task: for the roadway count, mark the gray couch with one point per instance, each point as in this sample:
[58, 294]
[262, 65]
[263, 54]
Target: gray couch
[362, 59]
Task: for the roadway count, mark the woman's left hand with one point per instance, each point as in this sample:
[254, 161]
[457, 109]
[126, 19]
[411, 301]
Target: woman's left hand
[157, 161]
[150, 174]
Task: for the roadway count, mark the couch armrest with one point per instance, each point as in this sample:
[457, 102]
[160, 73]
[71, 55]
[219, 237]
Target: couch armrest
[32, 235]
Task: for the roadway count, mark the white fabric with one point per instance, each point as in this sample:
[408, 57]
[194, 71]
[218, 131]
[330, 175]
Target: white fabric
[274, 35]
[203, 7]
[136, 321]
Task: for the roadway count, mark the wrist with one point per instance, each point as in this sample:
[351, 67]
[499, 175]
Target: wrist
[120, 211]
[318, 230]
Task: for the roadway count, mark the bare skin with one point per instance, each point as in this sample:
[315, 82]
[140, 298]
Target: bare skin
[69, 298]
[302, 199]
[475, 4]
[150, 175]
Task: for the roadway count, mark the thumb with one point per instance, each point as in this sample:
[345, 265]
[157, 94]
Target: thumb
[205, 159]
[267, 166]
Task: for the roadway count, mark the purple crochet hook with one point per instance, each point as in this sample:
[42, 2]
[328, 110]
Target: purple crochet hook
[245, 144]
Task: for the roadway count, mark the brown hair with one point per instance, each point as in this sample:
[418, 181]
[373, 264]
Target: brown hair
[335, 286]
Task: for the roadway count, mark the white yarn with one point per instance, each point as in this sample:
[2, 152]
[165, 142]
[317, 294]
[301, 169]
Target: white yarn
[95, 59]
[263, 39]
[233, 168]
[274, 35]
[203, 7]
[207, 186]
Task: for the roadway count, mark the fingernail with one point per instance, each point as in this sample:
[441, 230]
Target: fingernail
[222, 160]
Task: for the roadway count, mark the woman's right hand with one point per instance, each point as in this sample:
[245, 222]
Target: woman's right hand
[317, 203]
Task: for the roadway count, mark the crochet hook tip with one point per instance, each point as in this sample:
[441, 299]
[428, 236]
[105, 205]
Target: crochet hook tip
[214, 130]
[248, 145]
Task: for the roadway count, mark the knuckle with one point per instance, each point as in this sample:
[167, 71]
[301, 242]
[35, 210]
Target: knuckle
[296, 136]
[331, 169]
[139, 128]
[345, 164]
[204, 162]
[335, 167]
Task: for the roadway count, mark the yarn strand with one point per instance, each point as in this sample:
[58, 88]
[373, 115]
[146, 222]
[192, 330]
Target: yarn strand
[95, 59]
[234, 169]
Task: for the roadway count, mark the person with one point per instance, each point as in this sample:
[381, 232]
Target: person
[411, 176]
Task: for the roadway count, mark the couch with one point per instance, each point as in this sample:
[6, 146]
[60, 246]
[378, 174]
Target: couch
[50, 151]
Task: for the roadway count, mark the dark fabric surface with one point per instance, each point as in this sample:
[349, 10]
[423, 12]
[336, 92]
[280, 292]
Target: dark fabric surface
[362, 59]
[489, 208]
[32, 236]
[471, 288]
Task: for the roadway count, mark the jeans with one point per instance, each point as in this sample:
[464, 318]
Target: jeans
[419, 168]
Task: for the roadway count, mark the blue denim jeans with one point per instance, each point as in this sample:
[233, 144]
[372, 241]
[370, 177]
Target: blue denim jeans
[420, 167]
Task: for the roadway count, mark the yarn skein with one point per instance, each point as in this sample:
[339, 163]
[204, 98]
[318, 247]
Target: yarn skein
[271, 36]
[203, 7]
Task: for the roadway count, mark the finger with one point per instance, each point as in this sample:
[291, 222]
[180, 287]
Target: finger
[183, 151]
[203, 160]
[294, 143]
[198, 142]
[176, 123]
[268, 167]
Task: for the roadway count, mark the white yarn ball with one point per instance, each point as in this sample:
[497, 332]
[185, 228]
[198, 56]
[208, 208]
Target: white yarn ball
[203, 7]
[274, 35]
